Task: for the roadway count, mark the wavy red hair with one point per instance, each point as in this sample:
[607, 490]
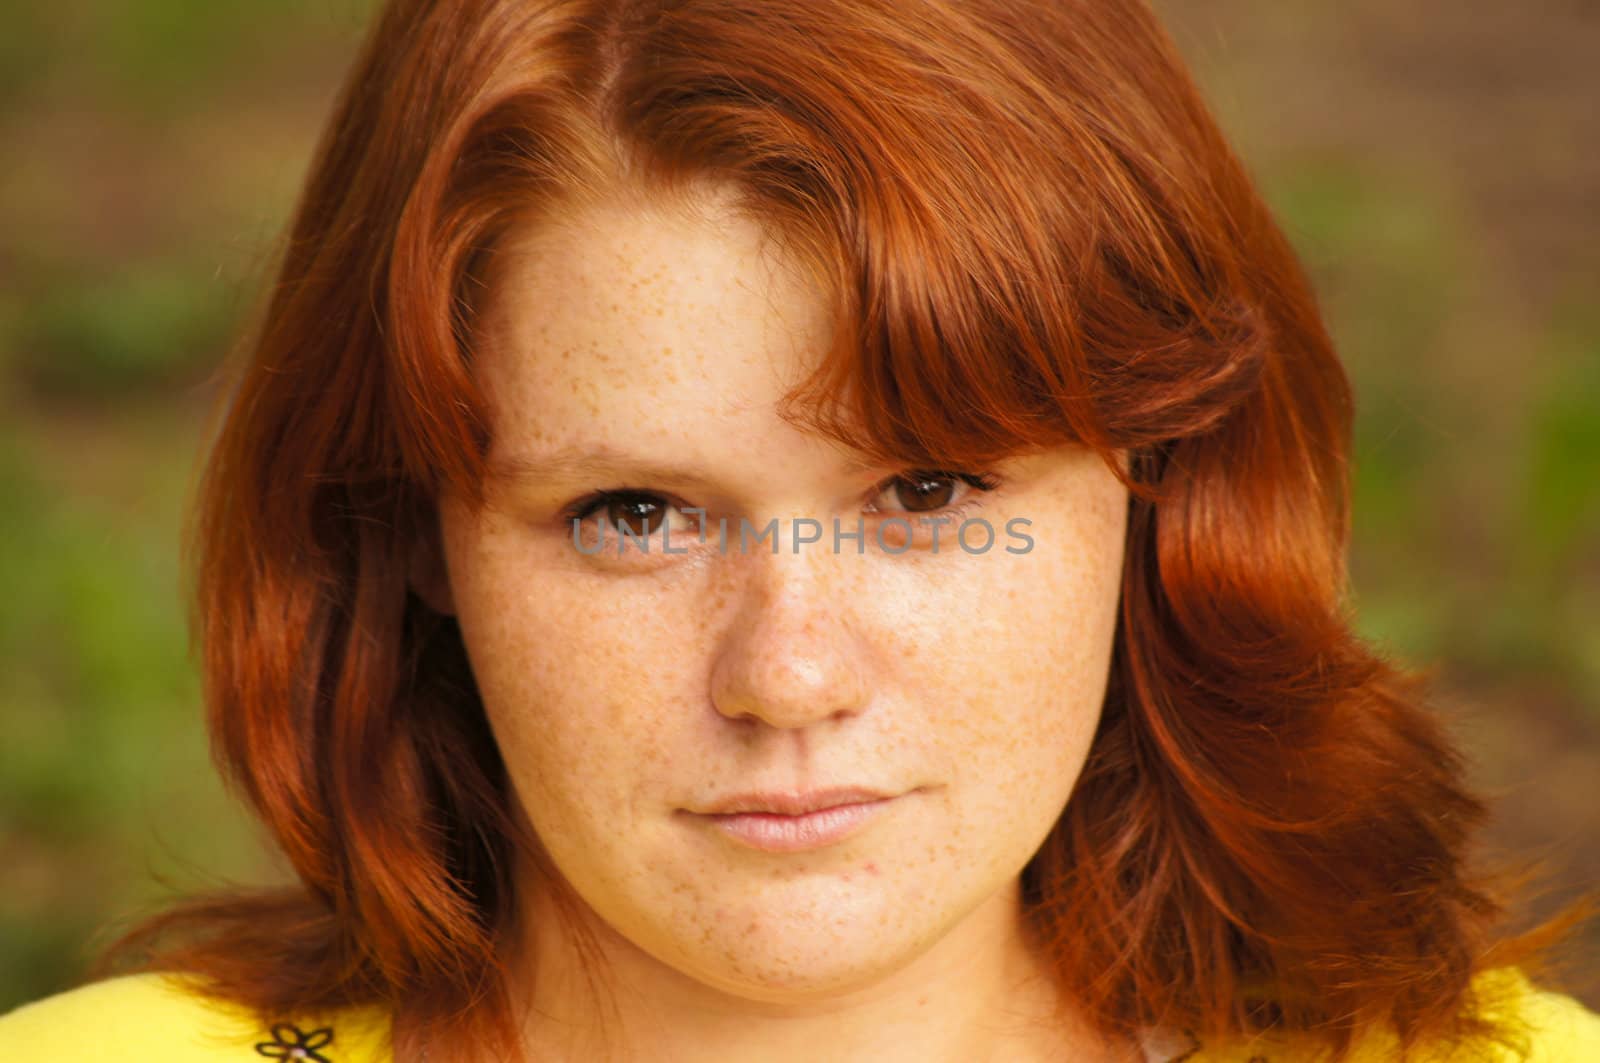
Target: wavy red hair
[1034, 234]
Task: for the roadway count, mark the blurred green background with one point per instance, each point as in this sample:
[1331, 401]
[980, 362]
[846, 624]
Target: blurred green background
[1435, 163]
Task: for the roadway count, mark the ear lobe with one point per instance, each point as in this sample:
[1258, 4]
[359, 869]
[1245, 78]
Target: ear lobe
[427, 573]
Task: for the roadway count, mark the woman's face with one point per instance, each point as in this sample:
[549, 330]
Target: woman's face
[634, 695]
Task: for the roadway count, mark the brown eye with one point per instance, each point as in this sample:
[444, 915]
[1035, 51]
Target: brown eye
[924, 492]
[636, 514]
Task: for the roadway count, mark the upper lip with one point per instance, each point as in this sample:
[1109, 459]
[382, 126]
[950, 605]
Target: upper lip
[792, 802]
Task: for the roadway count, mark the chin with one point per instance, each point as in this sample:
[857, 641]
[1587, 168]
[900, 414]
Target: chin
[803, 972]
[786, 957]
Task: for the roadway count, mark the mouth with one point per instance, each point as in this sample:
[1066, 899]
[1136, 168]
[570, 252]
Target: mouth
[795, 822]
[792, 802]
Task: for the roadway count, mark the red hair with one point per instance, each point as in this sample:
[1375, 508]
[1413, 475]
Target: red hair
[1034, 234]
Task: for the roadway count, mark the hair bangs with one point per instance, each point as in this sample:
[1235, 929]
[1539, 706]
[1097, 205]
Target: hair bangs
[1006, 273]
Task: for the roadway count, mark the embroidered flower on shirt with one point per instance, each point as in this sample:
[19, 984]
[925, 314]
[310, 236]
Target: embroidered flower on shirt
[291, 1043]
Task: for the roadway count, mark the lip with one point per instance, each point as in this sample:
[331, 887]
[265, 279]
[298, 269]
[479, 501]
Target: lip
[795, 822]
[792, 802]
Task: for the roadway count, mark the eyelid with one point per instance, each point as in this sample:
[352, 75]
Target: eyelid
[584, 507]
[978, 482]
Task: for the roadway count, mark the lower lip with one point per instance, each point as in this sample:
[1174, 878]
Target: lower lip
[776, 833]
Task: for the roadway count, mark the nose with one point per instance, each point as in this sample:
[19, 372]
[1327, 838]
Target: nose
[790, 656]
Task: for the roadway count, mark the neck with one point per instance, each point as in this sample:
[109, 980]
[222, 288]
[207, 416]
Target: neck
[980, 993]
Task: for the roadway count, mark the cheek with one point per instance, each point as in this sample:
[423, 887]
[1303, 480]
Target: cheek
[1020, 677]
[582, 688]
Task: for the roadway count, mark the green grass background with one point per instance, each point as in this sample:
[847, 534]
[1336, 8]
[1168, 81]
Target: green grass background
[154, 147]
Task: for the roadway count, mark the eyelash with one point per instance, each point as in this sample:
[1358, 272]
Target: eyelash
[588, 505]
[980, 482]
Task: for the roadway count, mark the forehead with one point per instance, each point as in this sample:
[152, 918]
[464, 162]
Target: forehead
[634, 308]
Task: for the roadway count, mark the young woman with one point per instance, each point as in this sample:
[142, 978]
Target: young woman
[803, 530]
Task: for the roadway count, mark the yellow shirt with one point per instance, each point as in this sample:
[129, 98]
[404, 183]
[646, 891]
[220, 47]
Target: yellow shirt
[152, 1017]
[155, 1018]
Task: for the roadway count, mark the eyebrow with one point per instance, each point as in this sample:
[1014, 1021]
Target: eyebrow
[570, 464]
[573, 464]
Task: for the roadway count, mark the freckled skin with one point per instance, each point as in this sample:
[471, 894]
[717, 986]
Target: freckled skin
[623, 691]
